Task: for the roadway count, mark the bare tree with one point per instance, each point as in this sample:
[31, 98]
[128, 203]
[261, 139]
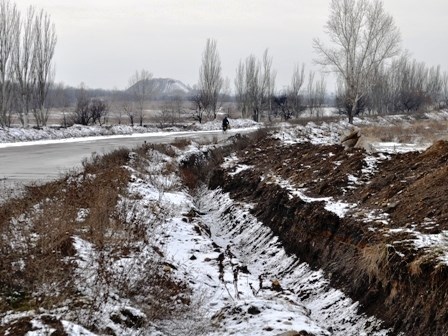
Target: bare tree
[210, 78]
[310, 93]
[44, 46]
[171, 111]
[241, 90]
[115, 105]
[268, 85]
[59, 97]
[282, 106]
[295, 96]
[24, 63]
[141, 86]
[408, 82]
[198, 106]
[9, 34]
[129, 110]
[255, 85]
[434, 85]
[89, 111]
[380, 95]
[81, 115]
[344, 104]
[253, 88]
[364, 37]
[98, 109]
[320, 92]
[445, 90]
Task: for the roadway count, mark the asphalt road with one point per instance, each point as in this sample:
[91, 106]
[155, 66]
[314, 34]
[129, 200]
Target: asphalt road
[24, 163]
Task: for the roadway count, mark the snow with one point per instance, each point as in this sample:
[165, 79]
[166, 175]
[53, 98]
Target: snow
[396, 147]
[335, 206]
[253, 245]
[29, 136]
[232, 162]
[435, 244]
[75, 330]
[243, 281]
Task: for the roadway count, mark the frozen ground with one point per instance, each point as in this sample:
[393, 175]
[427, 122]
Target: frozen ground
[243, 281]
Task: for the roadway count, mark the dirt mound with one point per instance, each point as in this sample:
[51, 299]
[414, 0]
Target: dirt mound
[411, 188]
[437, 151]
[369, 252]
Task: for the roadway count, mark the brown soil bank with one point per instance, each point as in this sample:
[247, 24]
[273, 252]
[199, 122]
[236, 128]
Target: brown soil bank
[369, 253]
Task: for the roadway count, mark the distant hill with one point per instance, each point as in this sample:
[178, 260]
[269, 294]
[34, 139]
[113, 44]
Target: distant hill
[165, 87]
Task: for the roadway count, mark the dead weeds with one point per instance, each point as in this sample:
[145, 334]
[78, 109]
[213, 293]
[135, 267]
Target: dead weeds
[420, 131]
[36, 238]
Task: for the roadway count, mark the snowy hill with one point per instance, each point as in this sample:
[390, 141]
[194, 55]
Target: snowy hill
[164, 87]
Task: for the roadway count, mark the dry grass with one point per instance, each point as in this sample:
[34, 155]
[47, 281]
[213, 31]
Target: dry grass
[415, 268]
[181, 143]
[418, 131]
[36, 241]
[36, 231]
[375, 262]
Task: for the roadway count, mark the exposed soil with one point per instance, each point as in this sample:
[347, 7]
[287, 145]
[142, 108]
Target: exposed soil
[368, 253]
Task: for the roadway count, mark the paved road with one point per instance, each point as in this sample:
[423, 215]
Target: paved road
[43, 162]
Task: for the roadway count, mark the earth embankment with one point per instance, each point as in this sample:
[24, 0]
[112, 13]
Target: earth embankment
[385, 243]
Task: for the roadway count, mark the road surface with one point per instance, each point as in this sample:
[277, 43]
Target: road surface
[23, 163]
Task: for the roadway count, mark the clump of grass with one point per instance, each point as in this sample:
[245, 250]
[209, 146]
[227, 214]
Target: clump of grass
[375, 262]
[117, 157]
[181, 143]
[415, 267]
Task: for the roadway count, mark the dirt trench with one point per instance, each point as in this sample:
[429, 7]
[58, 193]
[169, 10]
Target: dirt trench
[372, 260]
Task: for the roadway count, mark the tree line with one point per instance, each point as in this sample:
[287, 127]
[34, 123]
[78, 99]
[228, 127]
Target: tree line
[364, 53]
[373, 75]
[27, 44]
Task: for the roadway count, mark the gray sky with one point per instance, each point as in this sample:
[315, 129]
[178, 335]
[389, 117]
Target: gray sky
[103, 42]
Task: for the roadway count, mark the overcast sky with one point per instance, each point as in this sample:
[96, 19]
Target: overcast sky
[103, 42]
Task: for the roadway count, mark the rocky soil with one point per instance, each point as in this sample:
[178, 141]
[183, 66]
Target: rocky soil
[387, 249]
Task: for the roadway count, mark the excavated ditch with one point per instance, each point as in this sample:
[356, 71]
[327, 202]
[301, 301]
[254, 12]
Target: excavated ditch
[371, 259]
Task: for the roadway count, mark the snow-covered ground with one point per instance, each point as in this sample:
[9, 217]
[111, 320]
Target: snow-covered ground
[243, 281]
[10, 135]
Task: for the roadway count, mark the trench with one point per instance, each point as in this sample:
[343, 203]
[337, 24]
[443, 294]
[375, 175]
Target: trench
[253, 261]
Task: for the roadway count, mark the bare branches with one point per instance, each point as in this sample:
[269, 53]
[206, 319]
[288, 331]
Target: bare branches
[364, 37]
[44, 46]
[255, 85]
[24, 65]
[210, 78]
[89, 111]
[295, 96]
[26, 70]
[142, 88]
[9, 33]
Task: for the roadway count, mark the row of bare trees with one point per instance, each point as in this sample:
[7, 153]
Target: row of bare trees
[27, 45]
[373, 74]
[255, 85]
[364, 53]
[301, 95]
[406, 86]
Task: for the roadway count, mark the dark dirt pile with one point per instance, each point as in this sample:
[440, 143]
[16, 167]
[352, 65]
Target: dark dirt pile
[374, 261]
